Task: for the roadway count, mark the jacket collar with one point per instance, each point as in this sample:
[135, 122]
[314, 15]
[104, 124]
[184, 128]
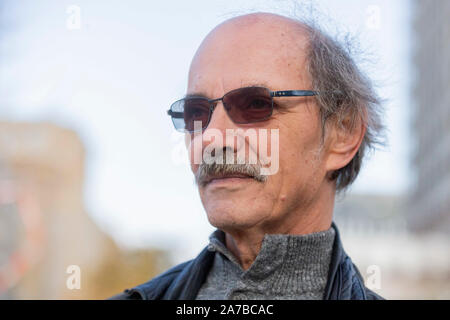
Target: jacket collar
[337, 257]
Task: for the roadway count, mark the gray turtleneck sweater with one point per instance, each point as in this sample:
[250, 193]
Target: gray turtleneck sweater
[288, 267]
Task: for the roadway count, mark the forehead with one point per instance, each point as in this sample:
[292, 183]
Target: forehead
[269, 52]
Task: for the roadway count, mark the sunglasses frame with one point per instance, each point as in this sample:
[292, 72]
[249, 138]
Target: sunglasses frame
[213, 104]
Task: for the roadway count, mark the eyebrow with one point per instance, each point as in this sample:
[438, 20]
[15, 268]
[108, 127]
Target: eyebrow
[243, 85]
[195, 94]
[255, 84]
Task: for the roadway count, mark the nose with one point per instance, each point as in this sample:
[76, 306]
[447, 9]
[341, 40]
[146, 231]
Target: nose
[220, 119]
[214, 135]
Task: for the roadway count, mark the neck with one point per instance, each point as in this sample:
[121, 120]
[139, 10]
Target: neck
[315, 217]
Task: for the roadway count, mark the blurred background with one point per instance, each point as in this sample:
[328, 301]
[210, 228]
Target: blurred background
[94, 180]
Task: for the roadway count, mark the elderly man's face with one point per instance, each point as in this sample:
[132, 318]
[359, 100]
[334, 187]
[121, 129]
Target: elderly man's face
[241, 53]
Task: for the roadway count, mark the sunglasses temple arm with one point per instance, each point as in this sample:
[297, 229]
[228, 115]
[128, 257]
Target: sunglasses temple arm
[175, 114]
[294, 93]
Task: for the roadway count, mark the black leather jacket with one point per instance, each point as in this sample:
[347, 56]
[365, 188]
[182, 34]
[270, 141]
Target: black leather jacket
[183, 281]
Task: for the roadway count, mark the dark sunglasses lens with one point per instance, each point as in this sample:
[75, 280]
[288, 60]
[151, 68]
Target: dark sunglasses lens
[247, 105]
[186, 112]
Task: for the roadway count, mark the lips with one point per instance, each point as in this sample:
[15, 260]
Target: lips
[228, 176]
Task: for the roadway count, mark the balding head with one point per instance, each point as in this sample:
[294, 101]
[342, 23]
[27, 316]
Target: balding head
[257, 46]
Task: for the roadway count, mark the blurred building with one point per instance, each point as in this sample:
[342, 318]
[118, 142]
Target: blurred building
[370, 213]
[406, 265]
[44, 228]
[430, 201]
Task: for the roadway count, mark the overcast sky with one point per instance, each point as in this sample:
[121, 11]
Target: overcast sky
[113, 78]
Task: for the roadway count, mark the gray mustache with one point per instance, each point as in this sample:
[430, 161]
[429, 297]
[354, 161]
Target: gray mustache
[217, 166]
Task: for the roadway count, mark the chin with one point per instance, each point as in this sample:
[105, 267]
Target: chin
[235, 210]
[233, 218]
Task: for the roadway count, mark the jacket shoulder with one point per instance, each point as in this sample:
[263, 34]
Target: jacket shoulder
[372, 295]
[344, 280]
[154, 288]
[359, 289]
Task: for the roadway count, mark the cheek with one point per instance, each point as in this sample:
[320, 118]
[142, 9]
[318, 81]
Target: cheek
[299, 175]
[300, 149]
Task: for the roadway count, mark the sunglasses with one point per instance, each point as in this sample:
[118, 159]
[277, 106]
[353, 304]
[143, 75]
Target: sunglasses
[243, 106]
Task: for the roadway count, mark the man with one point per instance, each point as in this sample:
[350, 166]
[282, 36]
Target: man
[275, 238]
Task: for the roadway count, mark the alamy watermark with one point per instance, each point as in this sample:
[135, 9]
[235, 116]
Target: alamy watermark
[211, 147]
[73, 281]
[373, 17]
[73, 21]
[373, 280]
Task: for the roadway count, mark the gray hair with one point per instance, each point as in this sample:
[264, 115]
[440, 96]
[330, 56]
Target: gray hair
[347, 96]
[217, 165]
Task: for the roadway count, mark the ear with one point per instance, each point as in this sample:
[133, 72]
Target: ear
[344, 140]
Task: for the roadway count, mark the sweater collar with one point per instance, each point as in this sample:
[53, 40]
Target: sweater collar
[289, 261]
